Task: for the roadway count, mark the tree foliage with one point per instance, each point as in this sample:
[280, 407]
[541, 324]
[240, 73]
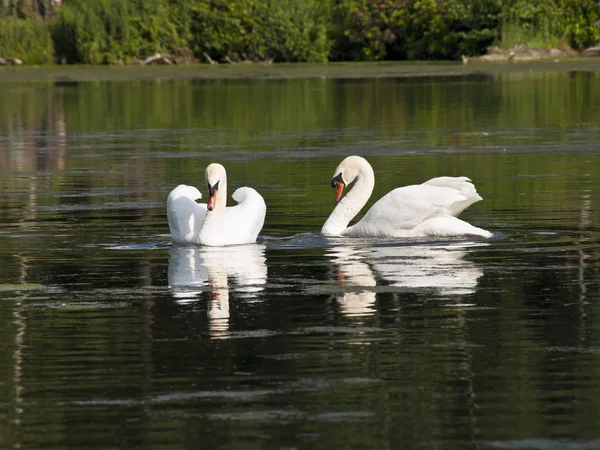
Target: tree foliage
[108, 31]
[554, 22]
[111, 31]
[28, 40]
[280, 30]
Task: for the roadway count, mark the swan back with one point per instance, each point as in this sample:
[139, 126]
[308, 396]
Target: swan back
[462, 185]
[406, 211]
[184, 215]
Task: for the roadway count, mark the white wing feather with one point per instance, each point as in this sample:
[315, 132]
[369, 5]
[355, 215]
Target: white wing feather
[405, 210]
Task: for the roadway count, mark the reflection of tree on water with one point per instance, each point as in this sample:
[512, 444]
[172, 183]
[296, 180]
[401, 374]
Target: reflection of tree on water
[433, 267]
[39, 150]
[193, 270]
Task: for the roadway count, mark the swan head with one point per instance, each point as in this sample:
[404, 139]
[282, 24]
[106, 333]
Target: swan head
[346, 172]
[214, 174]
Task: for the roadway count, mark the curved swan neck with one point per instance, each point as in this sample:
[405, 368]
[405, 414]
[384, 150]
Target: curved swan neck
[216, 179]
[212, 227]
[221, 202]
[353, 202]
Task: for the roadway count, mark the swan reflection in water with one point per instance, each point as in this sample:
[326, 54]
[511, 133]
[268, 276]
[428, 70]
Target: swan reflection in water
[353, 271]
[194, 269]
[439, 268]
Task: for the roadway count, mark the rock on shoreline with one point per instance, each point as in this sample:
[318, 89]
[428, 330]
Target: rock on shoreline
[522, 52]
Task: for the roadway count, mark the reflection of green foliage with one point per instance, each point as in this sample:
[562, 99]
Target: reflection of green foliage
[220, 118]
[28, 40]
[19, 287]
[527, 100]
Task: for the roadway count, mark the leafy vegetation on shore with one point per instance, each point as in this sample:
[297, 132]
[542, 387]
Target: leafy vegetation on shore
[28, 40]
[113, 31]
[573, 23]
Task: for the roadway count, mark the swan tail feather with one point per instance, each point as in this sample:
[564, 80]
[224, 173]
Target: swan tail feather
[447, 226]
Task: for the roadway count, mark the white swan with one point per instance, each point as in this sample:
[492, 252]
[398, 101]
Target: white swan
[233, 225]
[185, 216]
[427, 209]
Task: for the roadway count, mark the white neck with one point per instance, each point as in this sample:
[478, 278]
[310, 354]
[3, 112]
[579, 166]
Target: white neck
[221, 202]
[352, 203]
[212, 227]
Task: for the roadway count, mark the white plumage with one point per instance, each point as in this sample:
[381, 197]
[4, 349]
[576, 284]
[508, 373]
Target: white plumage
[427, 209]
[214, 223]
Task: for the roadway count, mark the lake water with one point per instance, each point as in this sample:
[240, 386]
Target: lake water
[112, 337]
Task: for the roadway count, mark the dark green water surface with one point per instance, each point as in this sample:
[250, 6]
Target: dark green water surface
[111, 337]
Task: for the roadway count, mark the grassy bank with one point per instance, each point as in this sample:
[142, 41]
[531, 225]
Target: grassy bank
[69, 75]
[123, 31]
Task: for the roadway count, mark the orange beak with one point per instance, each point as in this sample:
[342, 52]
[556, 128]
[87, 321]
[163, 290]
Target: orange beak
[212, 195]
[339, 188]
[212, 200]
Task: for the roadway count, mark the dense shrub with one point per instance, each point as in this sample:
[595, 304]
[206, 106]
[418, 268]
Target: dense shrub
[28, 40]
[573, 23]
[281, 30]
[447, 29]
[367, 29]
[580, 22]
[108, 31]
[414, 29]
[27, 8]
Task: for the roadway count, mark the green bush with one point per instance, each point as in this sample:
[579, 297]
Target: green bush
[580, 22]
[447, 29]
[28, 40]
[111, 31]
[532, 23]
[108, 31]
[573, 23]
[258, 30]
[414, 29]
[366, 30]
